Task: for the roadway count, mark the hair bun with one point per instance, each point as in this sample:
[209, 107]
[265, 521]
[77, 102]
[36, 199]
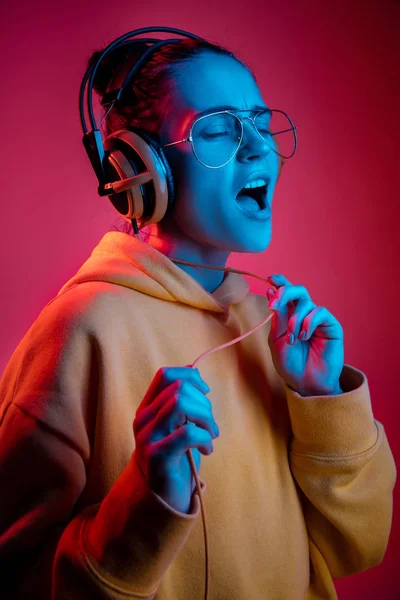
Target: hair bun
[114, 61]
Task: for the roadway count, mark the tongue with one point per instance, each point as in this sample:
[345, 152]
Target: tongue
[247, 202]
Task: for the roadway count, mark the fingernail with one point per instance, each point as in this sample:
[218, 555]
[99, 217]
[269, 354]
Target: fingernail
[302, 335]
[216, 429]
[205, 386]
[291, 338]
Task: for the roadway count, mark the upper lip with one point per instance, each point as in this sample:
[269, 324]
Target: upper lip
[253, 176]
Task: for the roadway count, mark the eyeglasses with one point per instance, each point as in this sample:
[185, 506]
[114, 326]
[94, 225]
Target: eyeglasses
[216, 137]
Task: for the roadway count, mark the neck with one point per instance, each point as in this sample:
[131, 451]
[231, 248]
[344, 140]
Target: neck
[181, 247]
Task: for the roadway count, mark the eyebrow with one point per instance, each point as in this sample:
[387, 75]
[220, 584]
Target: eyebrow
[228, 107]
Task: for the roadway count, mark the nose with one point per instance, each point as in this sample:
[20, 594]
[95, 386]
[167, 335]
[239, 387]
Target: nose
[252, 143]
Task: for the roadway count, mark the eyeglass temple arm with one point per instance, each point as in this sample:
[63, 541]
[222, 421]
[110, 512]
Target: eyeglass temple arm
[284, 130]
[188, 139]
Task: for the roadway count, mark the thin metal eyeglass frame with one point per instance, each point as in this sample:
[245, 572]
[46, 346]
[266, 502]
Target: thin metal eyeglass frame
[240, 119]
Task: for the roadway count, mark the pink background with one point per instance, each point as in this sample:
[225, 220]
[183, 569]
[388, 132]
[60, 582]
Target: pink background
[330, 65]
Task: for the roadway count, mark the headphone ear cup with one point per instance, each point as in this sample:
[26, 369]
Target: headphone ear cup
[158, 151]
[130, 152]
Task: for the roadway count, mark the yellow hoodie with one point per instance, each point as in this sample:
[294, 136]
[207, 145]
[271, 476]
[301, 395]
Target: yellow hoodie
[298, 491]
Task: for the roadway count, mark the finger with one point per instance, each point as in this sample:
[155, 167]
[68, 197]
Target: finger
[328, 326]
[180, 441]
[285, 308]
[185, 407]
[279, 323]
[291, 305]
[286, 294]
[296, 319]
[179, 401]
[278, 280]
[167, 375]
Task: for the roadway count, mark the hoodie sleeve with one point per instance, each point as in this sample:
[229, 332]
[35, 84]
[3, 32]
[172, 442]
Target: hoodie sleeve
[341, 460]
[119, 548]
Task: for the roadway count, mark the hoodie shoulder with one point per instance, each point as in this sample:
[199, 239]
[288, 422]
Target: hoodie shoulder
[82, 303]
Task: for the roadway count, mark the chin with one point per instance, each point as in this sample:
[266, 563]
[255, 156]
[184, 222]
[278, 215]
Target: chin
[254, 244]
[257, 250]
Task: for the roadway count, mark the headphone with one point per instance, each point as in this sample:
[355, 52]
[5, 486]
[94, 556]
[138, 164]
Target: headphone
[130, 165]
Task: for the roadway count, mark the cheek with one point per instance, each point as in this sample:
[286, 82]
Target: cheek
[196, 189]
[197, 212]
[201, 194]
[192, 206]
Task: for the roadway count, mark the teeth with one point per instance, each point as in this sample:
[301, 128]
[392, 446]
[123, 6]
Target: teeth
[254, 184]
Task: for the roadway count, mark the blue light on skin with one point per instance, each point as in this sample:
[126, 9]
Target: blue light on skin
[206, 224]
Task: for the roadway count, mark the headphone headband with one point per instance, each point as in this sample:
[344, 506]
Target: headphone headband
[91, 71]
[130, 167]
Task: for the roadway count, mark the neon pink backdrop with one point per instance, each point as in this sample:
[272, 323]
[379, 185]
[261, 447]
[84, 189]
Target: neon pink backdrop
[330, 65]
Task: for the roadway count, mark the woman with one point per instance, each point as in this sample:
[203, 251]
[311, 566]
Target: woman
[299, 488]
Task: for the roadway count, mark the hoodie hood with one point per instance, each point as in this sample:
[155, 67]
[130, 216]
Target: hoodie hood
[125, 260]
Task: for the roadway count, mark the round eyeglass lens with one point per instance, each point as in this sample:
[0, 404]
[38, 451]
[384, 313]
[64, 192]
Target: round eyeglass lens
[216, 137]
[275, 127]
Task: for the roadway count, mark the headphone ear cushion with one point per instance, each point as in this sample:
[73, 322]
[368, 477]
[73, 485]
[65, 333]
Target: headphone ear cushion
[152, 142]
[132, 151]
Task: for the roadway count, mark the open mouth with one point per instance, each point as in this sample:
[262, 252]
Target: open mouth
[253, 198]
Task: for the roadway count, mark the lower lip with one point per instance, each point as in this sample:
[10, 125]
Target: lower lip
[257, 214]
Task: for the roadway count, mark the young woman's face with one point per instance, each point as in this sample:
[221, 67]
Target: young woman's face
[205, 209]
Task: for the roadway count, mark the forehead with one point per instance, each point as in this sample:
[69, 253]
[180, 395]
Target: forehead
[211, 80]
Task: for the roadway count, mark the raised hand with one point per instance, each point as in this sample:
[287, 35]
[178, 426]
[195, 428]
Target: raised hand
[174, 415]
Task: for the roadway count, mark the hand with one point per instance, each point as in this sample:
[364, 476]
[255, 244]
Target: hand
[174, 415]
[312, 365]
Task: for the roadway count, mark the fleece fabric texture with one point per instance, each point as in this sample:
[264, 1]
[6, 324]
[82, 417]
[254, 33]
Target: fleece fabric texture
[297, 492]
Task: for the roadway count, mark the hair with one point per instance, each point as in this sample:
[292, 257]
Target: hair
[147, 100]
